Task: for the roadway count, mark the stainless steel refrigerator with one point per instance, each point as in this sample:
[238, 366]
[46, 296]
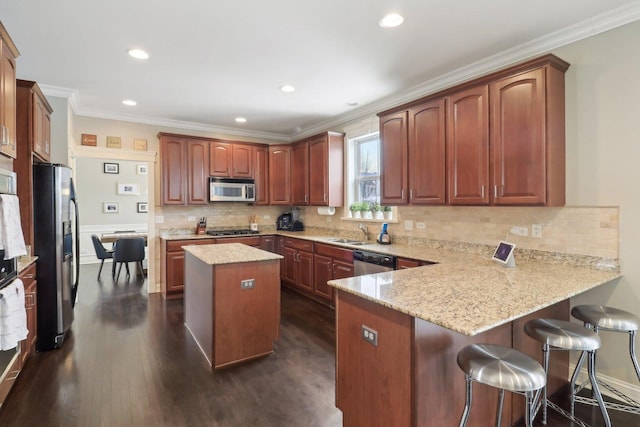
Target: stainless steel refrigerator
[56, 245]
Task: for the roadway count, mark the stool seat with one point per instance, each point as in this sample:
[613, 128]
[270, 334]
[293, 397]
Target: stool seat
[602, 316]
[562, 334]
[501, 367]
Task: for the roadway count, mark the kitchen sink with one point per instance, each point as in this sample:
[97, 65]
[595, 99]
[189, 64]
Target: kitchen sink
[347, 241]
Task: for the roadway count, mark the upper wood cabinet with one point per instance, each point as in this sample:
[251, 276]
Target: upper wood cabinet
[413, 155]
[8, 55]
[468, 146]
[504, 139]
[280, 174]
[33, 120]
[300, 173]
[326, 170]
[185, 170]
[231, 160]
[261, 174]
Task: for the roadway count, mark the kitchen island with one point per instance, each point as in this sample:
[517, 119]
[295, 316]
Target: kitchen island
[232, 301]
[398, 334]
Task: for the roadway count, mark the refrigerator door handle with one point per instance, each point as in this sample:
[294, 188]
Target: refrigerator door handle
[76, 259]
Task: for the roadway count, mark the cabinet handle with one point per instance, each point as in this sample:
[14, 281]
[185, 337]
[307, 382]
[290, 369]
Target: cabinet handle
[229, 171]
[329, 266]
[29, 276]
[46, 146]
[325, 197]
[482, 191]
[411, 194]
[402, 194]
[333, 269]
[495, 191]
[4, 140]
[306, 198]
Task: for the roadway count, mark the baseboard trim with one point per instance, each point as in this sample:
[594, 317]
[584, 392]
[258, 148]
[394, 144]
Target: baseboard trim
[631, 390]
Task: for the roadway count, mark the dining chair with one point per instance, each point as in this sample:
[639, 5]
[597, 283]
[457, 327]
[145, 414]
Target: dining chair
[128, 250]
[102, 253]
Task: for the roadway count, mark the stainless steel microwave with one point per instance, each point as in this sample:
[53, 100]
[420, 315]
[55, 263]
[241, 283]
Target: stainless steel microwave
[231, 190]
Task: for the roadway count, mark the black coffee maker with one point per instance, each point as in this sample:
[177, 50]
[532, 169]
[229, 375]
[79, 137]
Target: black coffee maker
[289, 221]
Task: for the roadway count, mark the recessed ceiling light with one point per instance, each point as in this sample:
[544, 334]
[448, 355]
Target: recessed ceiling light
[138, 53]
[287, 88]
[352, 104]
[129, 102]
[391, 20]
[241, 120]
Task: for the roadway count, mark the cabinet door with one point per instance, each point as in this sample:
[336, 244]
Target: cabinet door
[174, 166]
[7, 102]
[427, 153]
[305, 271]
[221, 155]
[290, 265]
[261, 175]
[322, 273]
[393, 144]
[319, 172]
[518, 139]
[468, 147]
[280, 174]
[175, 271]
[242, 160]
[197, 172]
[268, 243]
[46, 134]
[280, 251]
[300, 174]
[28, 346]
[404, 263]
[41, 128]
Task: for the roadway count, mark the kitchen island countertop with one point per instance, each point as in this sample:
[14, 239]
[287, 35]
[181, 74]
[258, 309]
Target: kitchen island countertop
[229, 253]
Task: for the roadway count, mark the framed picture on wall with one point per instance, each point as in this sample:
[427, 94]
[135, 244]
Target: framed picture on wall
[141, 169]
[143, 207]
[110, 207]
[111, 168]
[128, 189]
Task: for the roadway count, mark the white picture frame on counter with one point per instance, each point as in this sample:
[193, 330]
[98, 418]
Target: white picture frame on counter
[504, 254]
[128, 190]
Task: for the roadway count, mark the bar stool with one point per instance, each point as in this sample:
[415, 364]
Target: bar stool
[561, 335]
[505, 369]
[602, 318]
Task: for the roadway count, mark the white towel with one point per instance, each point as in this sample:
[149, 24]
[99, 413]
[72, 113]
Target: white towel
[11, 238]
[13, 315]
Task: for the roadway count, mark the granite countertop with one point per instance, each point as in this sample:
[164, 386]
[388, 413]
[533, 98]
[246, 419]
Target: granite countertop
[229, 253]
[25, 261]
[473, 294]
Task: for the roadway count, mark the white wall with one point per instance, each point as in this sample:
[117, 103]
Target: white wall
[603, 153]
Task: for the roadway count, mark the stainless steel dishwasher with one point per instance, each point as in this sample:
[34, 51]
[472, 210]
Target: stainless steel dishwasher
[371, 262]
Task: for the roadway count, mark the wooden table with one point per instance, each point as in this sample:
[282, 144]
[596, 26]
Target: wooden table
[113, 237]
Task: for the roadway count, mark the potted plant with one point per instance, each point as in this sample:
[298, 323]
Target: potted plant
[354, 209]
[377, 210]
[388, 213]
[367, 208]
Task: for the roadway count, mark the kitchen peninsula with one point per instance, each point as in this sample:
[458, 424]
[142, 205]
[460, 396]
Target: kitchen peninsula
[232, 301]
[398, 334]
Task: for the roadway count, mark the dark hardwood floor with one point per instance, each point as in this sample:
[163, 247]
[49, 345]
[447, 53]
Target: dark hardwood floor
[129, 361]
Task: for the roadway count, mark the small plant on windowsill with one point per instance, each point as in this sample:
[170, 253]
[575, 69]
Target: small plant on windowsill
[376, 209]
[355, 210]
[387, 212]
[353, 207]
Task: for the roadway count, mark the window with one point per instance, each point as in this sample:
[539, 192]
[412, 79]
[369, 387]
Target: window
[367, 168]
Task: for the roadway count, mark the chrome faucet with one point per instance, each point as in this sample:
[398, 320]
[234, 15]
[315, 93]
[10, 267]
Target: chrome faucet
[365, 231]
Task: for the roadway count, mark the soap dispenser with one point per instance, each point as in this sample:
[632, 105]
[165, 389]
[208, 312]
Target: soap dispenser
[384, 238]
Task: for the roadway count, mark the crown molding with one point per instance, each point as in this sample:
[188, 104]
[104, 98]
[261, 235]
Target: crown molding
[582, 30]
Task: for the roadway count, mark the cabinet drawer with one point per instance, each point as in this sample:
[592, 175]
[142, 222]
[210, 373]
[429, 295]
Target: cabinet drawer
[334, 252]
[303, 245]
[28, 276]
[176, 245]
[250, 241]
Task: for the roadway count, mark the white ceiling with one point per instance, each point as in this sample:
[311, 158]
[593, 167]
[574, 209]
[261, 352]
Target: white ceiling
[213, 60]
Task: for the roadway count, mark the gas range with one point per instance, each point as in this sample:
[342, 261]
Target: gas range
[244, 232]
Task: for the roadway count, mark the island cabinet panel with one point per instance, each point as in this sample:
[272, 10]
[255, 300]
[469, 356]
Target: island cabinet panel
[373, 382]
[280, 175]
[230, 322]
[394, 158]
[427, 153]
[439, 394]
[468, 146]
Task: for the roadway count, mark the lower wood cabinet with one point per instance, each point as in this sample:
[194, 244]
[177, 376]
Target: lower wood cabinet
[298, 264]
[330, 262]
[28, 346]
[404, 263]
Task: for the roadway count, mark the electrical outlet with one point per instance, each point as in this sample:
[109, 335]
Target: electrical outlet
[191, 218]
[520, 231]
[159, 219]
[248, 284]
[408, 225]
[421, 225]
[536, 231]
[370, 335]
[266, 216]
